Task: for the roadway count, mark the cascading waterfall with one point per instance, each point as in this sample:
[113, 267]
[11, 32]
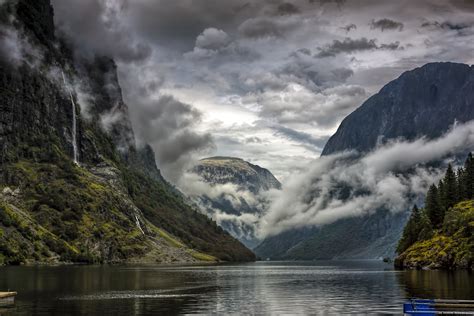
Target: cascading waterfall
[74, 128]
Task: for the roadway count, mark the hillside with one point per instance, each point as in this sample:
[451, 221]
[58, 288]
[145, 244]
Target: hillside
[441, 234]
[248, 181]
[76, 189]
[425, 101]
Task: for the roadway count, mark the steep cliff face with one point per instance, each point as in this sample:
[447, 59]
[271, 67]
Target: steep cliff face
[238, 206]
[73, 184]
[422, 102]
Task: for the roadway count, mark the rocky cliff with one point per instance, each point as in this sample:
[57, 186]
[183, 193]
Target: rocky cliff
[73, 185]
[424, 102]
[237, 185]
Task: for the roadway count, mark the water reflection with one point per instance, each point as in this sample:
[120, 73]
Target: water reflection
[328, 287]
[438, 284]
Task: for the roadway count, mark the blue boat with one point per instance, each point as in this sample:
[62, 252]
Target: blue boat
[425, 307]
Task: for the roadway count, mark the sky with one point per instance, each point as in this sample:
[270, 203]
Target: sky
[270, 81]
[267, 81]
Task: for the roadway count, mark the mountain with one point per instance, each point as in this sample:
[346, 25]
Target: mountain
[240, 199]
[221, 170]
[425, 101]
[74, 186]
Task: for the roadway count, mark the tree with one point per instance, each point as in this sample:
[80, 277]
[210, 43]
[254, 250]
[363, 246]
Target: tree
[450, 191]
[468, 177]
[411, 231]
[433, 208]
[461, 185]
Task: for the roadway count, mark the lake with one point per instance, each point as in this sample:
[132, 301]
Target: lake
[319, 287]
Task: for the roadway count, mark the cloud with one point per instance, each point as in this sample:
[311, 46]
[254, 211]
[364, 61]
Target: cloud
[167, 124]
[287, 8]
[297, 104]
[10, 46]
[212, 38]
[346, 184]
[164, 122]
[16, 48]
[264, 27]
[239, 62]
[386, 24]
[107, 31]
[301, 137]
[245, 206]
[349, 27]
[460, 27]
[349, 45]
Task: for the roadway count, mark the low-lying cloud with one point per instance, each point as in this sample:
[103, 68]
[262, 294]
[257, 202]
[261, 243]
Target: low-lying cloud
[344, 185]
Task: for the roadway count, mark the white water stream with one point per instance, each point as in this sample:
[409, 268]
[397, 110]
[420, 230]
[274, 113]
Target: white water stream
[74, 128]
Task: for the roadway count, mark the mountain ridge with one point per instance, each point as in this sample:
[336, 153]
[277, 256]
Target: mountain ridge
[427, 107]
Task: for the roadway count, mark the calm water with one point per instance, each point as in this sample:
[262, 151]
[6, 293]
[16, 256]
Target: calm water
[322, 287]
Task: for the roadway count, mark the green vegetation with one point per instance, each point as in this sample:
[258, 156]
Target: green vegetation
[441, 235]
[114, 206]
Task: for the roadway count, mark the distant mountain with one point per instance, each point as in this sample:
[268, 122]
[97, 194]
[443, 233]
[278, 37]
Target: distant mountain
[221, 170]
[248, 182]
[74, 187]
[425, 101]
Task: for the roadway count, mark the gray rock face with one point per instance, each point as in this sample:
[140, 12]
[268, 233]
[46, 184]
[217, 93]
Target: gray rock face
[425, 101]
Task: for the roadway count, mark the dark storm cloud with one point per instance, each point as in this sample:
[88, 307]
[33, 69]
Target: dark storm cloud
[322, 2]
[162, 121]
[267, 27]
[460, 27]
[167, 123]
[386, 24]
[306, 70]
[349, 27]
[105, 31]
[301, 137]
[287, 9]
[349, 45]
[176, 24]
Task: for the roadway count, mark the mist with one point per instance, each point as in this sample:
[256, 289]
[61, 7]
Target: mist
[391, 177]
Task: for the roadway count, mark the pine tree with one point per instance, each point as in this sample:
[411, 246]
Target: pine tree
[411, 231]
[461, 185]
[433, 208]
[450, 191]
[469, 177]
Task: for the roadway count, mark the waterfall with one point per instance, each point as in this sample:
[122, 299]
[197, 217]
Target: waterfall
[74, 128]
[137, 221]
